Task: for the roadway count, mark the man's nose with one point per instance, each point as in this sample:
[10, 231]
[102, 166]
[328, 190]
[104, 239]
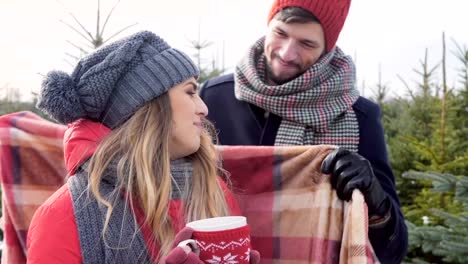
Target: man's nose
[288, 51]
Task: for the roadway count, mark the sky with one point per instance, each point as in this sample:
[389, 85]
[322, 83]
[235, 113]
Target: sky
[393, 34]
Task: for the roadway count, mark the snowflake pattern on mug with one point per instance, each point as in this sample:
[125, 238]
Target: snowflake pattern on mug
[228, 259]
[214, 247]
[226, 252]
[247, 255]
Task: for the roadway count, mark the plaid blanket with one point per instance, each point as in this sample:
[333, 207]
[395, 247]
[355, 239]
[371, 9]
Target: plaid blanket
[294, 214]
[31, 169]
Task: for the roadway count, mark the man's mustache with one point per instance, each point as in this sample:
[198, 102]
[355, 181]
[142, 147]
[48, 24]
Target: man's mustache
[289, 63]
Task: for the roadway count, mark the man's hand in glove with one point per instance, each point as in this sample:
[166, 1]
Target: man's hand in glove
[351, 171]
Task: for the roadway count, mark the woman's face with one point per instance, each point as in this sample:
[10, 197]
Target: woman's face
[188, 111]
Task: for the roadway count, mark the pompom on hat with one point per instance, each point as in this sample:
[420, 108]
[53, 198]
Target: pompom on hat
[331, 14]
[110, 84]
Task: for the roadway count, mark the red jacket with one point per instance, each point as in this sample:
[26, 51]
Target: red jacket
[53, 233]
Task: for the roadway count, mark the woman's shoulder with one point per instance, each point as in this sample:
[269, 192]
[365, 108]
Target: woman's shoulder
[52, 234]
[57, 207]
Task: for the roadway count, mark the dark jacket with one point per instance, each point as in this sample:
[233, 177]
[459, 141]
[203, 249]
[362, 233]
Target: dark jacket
[241, 123]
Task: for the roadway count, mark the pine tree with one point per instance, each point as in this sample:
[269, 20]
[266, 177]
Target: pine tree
[92, 40]
[428, 132]
[199, 45]
[460, 102]
[444, 235]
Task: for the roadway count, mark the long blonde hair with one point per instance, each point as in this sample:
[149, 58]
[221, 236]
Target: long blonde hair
[140, 146]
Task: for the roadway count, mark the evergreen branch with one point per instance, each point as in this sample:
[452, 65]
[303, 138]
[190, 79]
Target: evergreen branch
[418, 72]
[108, 17]
[461, 53]
[118, 32]
[426, 151]
[419, 261]
[98, 19]
[77, 31]
[461, 248]
[415, 175]
[463, 181]
[76, 20]
[452, 178]
[72, 56]
[79, 47]
[447, 216]
[434, 69]
[81, 25]
[456, 238]
[69, 63]
[458, 162]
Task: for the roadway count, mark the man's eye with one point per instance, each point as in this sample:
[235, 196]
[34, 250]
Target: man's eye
[309, 45]
[280, 33]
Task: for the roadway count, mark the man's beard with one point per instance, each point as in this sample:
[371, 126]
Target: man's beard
[270, 76]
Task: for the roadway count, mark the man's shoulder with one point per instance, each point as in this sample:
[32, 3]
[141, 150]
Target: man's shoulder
[366, 108]
[218, 82]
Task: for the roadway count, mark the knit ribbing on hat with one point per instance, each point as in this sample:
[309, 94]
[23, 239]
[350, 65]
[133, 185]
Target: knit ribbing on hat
[331, 14]
[110, 84]
[148, 80]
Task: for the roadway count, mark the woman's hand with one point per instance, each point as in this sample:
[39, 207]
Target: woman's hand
[183, 249]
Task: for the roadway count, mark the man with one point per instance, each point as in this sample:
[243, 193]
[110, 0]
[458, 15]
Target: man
[294, 87]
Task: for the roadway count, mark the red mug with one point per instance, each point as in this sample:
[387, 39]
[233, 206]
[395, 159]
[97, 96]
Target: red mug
[222, 240]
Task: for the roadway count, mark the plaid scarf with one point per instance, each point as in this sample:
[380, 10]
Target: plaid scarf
[316, 107]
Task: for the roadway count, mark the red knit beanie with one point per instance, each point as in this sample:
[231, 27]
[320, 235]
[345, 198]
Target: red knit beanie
[331, 14]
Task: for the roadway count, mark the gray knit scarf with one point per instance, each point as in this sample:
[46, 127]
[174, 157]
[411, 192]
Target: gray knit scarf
[316, 107]
[124, 241]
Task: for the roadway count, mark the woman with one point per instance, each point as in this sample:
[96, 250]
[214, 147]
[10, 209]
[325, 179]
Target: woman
[154, 171]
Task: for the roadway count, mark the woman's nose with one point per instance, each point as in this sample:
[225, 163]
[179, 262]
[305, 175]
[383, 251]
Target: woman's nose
[202, 109]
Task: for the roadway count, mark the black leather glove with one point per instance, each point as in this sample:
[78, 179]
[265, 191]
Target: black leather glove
[351, 171]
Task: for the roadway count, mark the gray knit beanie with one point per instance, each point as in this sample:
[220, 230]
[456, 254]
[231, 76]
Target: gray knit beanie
[110, 84]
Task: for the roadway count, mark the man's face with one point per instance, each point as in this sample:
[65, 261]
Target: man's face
[290, 49]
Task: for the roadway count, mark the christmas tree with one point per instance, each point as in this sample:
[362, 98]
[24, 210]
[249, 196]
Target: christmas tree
[443, 235]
